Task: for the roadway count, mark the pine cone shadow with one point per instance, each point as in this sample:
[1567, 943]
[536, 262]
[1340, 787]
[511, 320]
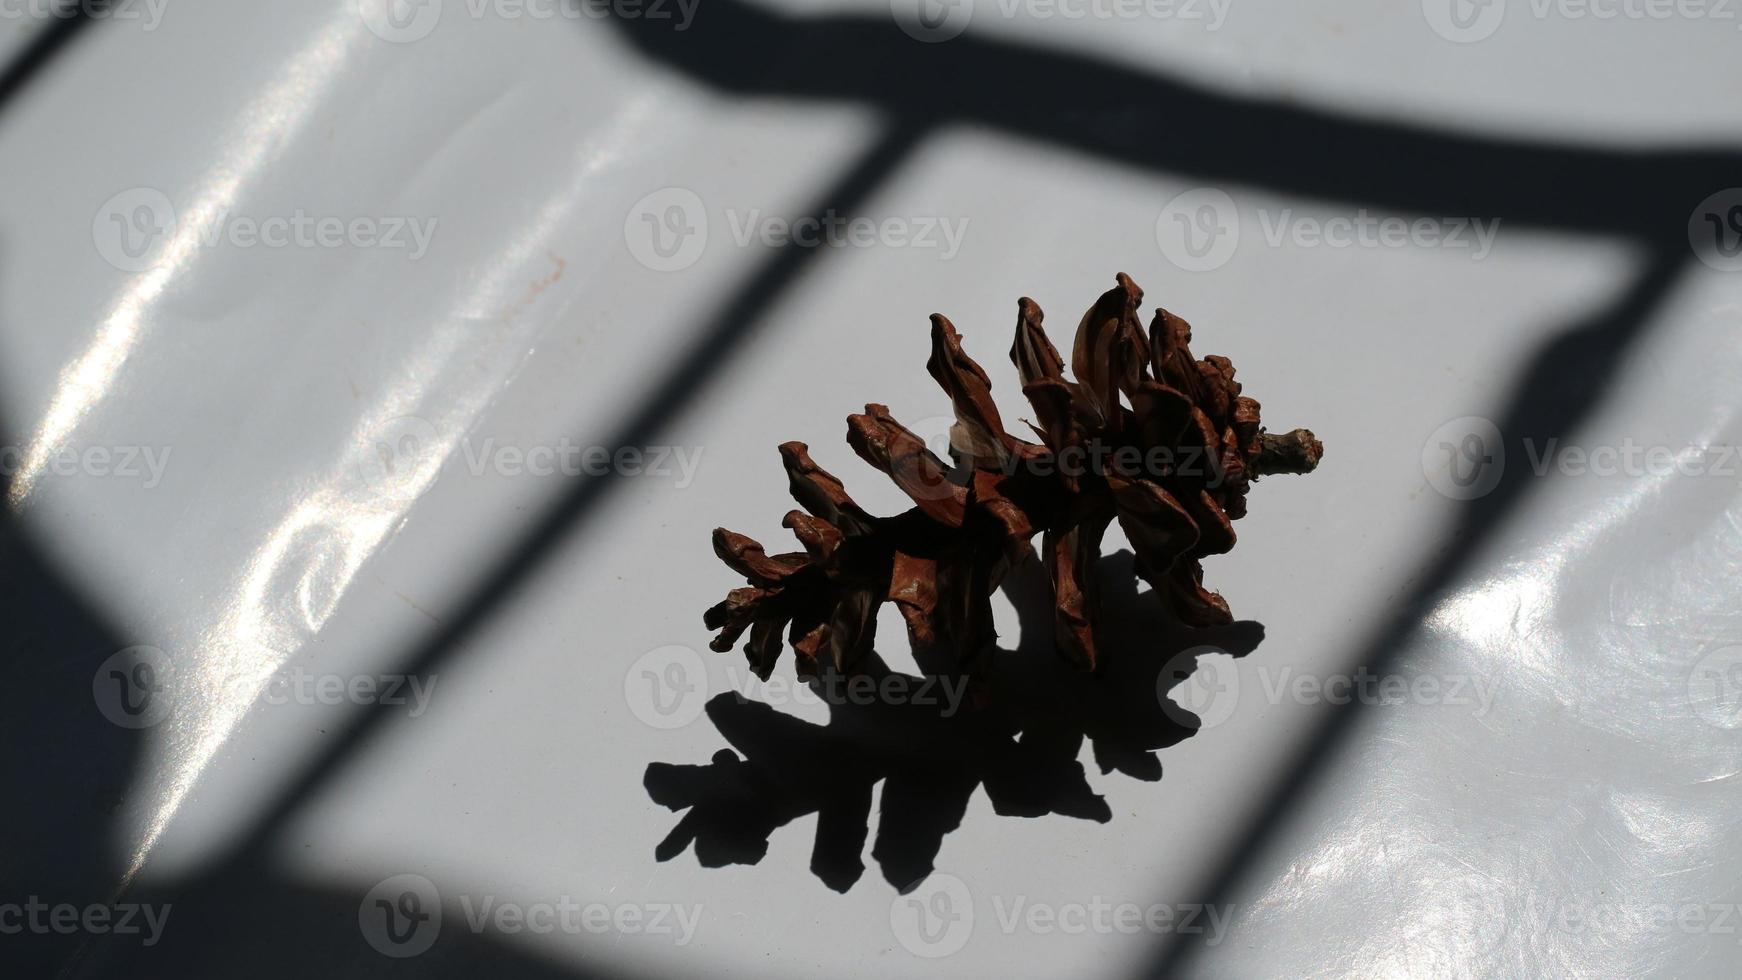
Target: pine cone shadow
[1016, 730]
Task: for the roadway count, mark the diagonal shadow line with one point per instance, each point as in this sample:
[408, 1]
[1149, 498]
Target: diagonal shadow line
[1150, 120]
[1544, 405]
[739, 318]
[49, 41]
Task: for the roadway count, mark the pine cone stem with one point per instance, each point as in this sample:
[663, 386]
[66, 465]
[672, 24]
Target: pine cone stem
[1292, 452]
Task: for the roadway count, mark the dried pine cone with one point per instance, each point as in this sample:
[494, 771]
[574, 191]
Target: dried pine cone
[1171, 462]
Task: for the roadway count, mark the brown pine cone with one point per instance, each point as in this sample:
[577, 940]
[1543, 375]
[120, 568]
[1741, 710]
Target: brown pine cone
[1171, 461]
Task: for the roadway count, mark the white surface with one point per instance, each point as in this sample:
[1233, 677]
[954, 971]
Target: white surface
[1437, 841]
